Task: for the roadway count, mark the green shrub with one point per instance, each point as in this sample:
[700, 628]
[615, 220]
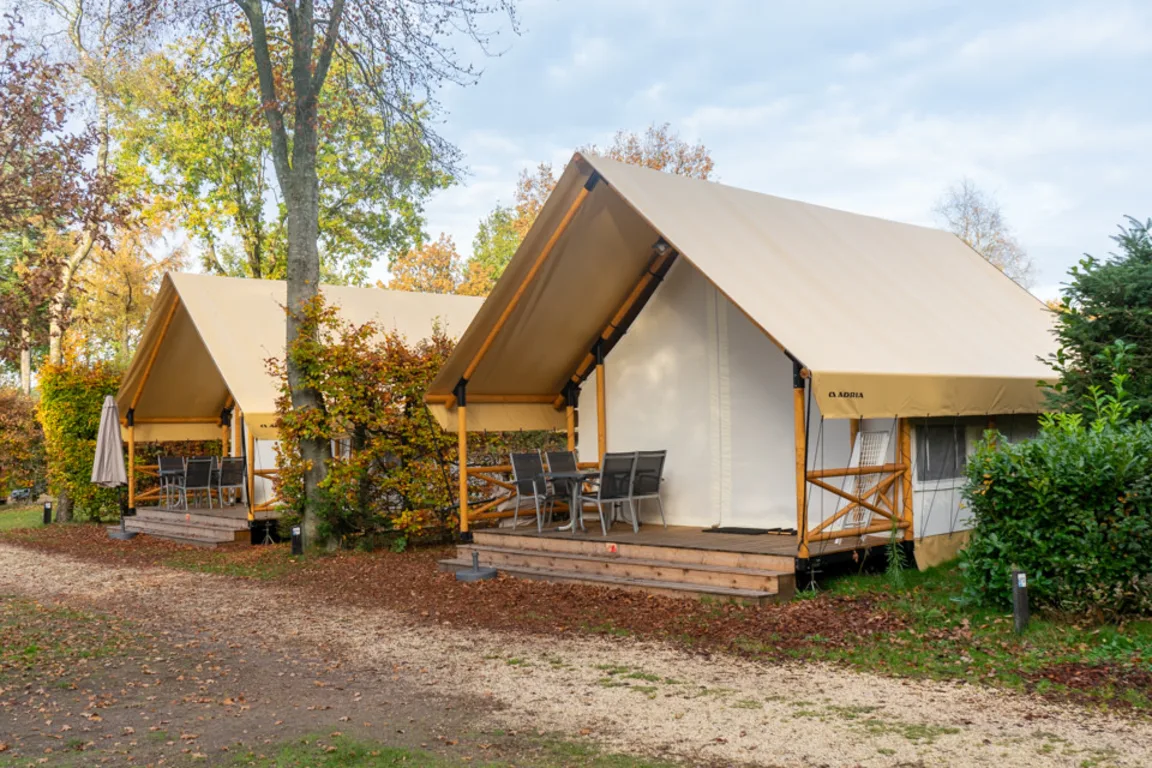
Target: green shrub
[71, 398]
[1072, 508]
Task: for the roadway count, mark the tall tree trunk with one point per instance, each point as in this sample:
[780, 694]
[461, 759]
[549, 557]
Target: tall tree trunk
[26, 356]
[302, 203]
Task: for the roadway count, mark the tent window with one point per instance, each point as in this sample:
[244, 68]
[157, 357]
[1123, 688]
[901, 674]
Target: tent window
[941, 452]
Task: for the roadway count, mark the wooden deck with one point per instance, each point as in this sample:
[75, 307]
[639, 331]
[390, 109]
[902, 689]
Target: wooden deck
[198, 525]
[691, 537]
[678, 561]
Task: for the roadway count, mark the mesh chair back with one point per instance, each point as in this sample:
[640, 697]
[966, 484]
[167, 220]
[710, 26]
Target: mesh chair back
[616, 475]
[649, 468]
[199, 473]
[171, 464]
[232, 472]
[526, 467]
[562, 461]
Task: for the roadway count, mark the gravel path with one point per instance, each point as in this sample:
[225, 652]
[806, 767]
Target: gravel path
[630, 696]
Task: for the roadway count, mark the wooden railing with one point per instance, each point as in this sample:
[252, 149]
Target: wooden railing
[498, 479]
[272, 501]
[881, 499]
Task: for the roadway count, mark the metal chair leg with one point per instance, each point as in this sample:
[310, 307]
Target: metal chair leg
[660, 504]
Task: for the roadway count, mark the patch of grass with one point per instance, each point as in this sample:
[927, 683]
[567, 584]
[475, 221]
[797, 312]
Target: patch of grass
[946, 638]
[15, 518]
[341, 752]
[747, 704]
[648, 676]
[258, 565]
[53, 644]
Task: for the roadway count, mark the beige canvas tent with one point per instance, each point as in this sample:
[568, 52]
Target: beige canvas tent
[203, 356]
[754, 338]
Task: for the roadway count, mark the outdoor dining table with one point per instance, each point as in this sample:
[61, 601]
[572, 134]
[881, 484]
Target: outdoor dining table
[166, 476]
[575, 508]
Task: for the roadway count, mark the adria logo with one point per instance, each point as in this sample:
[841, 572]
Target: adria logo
[847, 395]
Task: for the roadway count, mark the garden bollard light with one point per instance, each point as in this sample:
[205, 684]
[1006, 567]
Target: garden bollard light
[1020, 600]
[47, 513]
[297, 541]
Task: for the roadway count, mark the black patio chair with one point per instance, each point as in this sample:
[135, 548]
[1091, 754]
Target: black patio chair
[233, 477]
[646, 480]
[528, 477]
[171, 473]
[562, 461]
[198, 477]
[615, 489]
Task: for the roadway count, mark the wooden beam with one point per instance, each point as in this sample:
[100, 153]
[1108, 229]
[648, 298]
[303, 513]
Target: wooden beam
[449, 401]
[250, 461]
[906, 460]
[528, 278]
[131, 466]
[881, 527]
[152, 355]
[854, 471]
[462, 458]
[175, 420]
[801, 465]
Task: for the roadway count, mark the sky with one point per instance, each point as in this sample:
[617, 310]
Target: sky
[874, 107]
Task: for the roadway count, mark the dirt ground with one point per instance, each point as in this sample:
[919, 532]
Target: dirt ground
[218, 663]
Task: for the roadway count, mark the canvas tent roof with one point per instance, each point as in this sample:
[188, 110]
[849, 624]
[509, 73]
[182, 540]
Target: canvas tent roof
[222, 331]
[909, 319]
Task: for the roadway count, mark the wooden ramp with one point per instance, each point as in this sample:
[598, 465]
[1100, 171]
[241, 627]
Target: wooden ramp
[677, 561]
[201, 526]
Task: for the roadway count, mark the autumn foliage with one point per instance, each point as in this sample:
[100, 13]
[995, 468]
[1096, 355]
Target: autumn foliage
[388, 475]
[21, 442]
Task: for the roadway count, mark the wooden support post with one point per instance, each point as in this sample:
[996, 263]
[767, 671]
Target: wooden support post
[601, 405]
[131, 461]
[571, 397]
[800, 439]
[906, 485]
[462, 452]
[250, 462]
[225, 429]
[523, 287]
[571, 413]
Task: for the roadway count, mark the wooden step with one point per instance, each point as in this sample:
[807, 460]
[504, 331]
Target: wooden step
[189, 534]
[632, 568]
[191, 517]
[666, 553]
[655, 587]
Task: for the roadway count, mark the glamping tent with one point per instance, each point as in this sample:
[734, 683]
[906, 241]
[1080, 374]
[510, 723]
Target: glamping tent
[809, 371]
[200, 370]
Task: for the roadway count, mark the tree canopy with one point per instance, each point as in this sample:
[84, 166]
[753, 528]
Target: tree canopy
[975, 217]
[1108, 301]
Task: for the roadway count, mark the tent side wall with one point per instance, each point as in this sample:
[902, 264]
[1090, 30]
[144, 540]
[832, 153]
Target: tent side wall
[695, 377]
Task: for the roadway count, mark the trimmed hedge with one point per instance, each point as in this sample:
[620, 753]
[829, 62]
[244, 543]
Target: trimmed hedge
[71, 398]
[1073, 508]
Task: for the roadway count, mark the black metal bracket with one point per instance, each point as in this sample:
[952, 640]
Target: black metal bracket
[130, 418]
[593, 180]
[461, 393]
[572, 394]
[797, 374]
[225, 417]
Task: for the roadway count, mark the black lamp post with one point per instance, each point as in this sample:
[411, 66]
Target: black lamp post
[47, 513]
